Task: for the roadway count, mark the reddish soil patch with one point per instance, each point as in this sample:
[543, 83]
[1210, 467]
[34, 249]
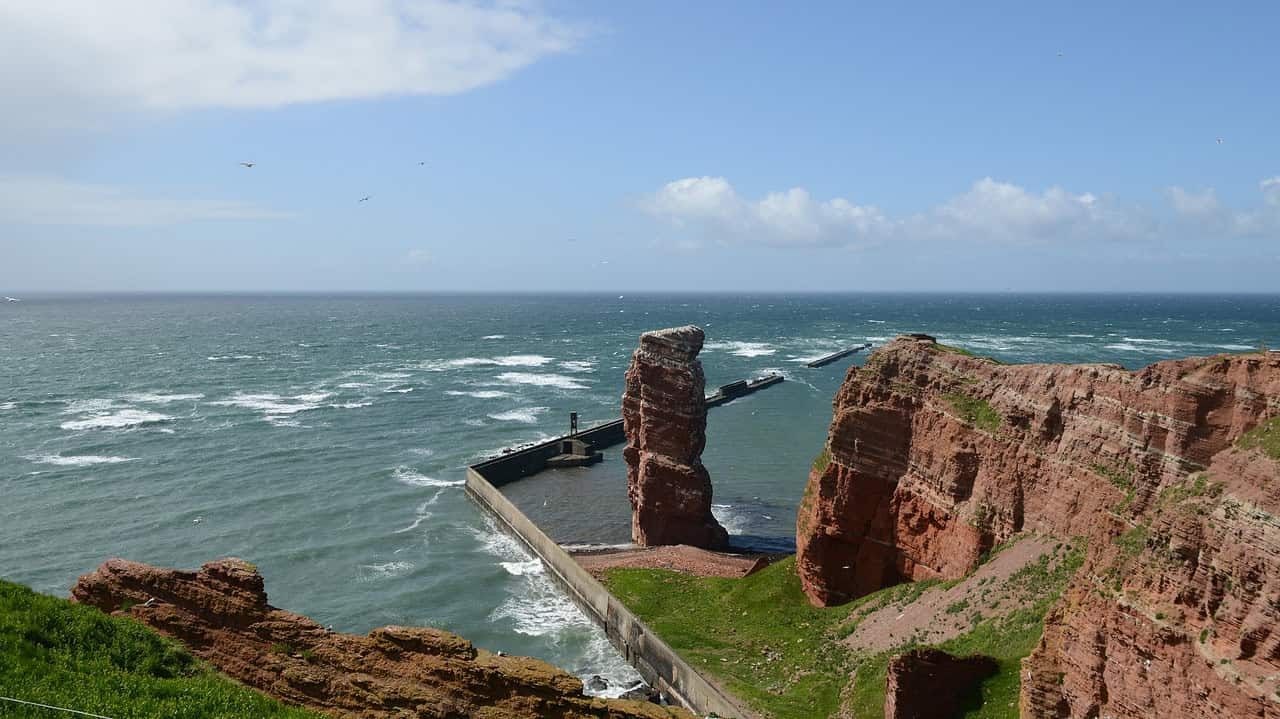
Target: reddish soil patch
[678, 558]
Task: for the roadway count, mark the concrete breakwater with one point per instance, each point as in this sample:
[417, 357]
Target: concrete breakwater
[533, 459]
[828, 359]
[657, 662]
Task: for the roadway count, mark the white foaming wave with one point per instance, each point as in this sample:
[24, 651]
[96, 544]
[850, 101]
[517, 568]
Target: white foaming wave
[558, 381]
[221, 358]
[515, 446]
[1140, 340]
[274, 404]
[520, 569]
[117, 420]
[732, 522]
[354, 385]
[422, 514]
[398, 390]
[522, 360]
[528, 415]
[279, 421]
[83, 406]
[8, 405]
[350, 405]
[494, 337]
[1124, 347]
[422, 451]
[86, 460]
[743, 349]
[161, 398]
[473, 422]
[1080, 335]
[413, 478]
[578, 366]
[388, 570]
[876, 322]
[1236, 348]
[877, 339]
[481, 394]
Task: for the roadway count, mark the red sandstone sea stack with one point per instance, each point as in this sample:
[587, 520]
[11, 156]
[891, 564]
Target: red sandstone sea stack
[664, 414]
[934, 456]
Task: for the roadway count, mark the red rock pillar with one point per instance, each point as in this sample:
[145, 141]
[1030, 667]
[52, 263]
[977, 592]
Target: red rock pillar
[664, 415]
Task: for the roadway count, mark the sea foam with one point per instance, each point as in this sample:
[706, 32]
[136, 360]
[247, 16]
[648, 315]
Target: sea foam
[743, 349]
[413, 478]
[87, 460]
[558, 381]
[117, 420]
[528, 415]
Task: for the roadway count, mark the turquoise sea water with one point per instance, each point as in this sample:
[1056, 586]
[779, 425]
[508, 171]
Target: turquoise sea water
[325, 438]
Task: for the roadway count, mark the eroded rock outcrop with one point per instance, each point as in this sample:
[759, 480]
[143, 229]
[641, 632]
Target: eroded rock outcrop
[932, 684]
[664, 414]
[221, 614]
[935, 456]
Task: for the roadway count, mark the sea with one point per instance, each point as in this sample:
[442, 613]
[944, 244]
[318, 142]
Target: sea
[325, 438]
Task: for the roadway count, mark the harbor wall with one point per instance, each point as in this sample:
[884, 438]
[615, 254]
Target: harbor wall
[656, 662]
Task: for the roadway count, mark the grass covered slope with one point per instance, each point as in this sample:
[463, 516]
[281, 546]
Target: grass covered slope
[762, 639]
[56, 652]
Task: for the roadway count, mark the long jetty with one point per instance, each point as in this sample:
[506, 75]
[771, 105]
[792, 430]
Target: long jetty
[824, 361]
[525, 461]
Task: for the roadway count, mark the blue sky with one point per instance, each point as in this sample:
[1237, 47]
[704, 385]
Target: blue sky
[639, 146]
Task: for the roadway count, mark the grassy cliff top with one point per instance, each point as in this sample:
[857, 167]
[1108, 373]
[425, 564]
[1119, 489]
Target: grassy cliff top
[63, 654]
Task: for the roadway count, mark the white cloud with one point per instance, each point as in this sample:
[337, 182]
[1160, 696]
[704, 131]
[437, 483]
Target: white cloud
[418, 258]
[990, 211]
[790, 217]
[39, 200]
[190, 54]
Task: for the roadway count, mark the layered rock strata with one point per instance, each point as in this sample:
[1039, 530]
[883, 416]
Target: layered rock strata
[932, 684]
[664, 416]
[934, 456]
[221, 614]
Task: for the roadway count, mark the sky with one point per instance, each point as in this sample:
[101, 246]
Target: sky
[655, 146]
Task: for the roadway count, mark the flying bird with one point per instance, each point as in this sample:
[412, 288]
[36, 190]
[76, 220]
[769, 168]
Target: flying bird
[1219, 140]
[248, 164]
[11, 299]
[421, 163]
[363, 199]
[1059, 53]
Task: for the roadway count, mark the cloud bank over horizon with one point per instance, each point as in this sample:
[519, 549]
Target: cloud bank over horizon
[990, 211]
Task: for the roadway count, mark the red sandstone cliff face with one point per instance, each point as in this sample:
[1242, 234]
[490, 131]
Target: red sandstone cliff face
[664, 415]
[931, 684]
[935, 456]
[221, 614]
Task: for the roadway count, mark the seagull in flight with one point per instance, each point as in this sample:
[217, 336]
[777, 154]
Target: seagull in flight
[421, 163]
[1219, 140]
[11, 299]
[363, 199]
[248, 164]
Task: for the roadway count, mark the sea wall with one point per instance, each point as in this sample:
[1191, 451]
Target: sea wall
[657, 662]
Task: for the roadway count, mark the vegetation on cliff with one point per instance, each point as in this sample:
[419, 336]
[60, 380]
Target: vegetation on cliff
[1265, 436]
[64, 654]
[786, 658]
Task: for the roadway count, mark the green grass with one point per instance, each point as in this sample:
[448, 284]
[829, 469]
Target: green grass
[954, 350]
[56, 652]
[977, 412]
[760, 636]
[822, 461]
[1265, 436]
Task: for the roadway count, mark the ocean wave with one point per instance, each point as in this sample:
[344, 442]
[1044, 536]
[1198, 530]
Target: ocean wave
[225, 358]
[504, 361]
[1141, 340]
[732, 521]
[528, 415]
[520, 569]
[117, 420]
[480, 394]
[413, 478]
[350, 405]
[578, 366]
[494, 337]
[161, 398]
[1235, 348]
[1124, 347]
[743, 349]
[558, 381]
[473, 422]
[1080, 335]
[354, 385]
[86, 460]
[398, 390]
[282, 421]
[8, 405]
[274, 404]
[84, 406]
[388, 570]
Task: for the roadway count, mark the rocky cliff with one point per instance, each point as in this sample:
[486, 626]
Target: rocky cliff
[221, 614]
[934, 456]
[664, 415]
